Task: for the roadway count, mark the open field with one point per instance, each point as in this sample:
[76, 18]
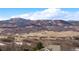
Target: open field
[50, 40]
[52, 33]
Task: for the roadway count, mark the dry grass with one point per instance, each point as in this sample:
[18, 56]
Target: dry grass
[52, 33]
[44, 34]
[49, 38]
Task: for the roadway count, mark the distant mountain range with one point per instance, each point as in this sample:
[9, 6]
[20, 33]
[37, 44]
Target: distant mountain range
[20, 25]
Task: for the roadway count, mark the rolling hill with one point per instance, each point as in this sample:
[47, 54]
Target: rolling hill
[20, 25]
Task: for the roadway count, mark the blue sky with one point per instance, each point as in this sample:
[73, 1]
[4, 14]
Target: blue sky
[71, 9]
[8, 12]
[40, 13]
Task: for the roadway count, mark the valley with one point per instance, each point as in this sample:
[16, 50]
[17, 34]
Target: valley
[18, 34]
[46, 40]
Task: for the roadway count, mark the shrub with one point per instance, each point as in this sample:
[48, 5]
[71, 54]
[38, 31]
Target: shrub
[76, 38]
[38, 46]
[8, 39]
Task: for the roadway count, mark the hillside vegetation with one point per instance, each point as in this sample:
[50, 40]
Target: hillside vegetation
[67, 40]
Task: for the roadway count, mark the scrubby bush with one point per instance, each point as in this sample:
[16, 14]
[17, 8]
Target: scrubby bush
[8, 39]
[76, 38]
[38, 46]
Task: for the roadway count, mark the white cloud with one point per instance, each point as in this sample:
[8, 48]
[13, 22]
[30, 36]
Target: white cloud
[21, 16]
[70, 15]
[1, 18]
[51, 13]
[45, 14]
